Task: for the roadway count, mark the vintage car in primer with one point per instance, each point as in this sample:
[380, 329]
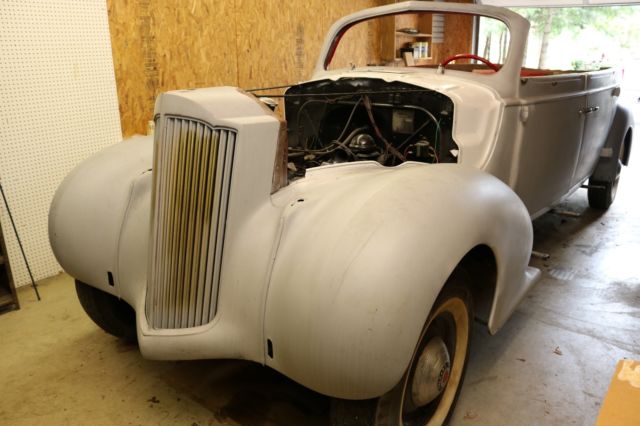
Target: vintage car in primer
[350, 246]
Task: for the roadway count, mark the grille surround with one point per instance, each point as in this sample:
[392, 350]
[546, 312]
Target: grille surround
[192, 166]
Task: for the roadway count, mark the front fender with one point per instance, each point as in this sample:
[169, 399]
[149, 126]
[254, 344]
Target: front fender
[89, 207]
[363, 256]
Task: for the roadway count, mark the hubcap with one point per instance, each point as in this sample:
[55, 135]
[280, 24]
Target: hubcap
[432, 372]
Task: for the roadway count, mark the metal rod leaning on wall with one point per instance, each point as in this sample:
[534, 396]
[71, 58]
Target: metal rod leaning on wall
[15, 230]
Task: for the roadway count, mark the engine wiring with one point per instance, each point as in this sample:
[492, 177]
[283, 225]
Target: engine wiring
[329, 148]
[389, 147]
[414, 134]
[353, 111]
[391, 125]
[328, 100]
[340, 141]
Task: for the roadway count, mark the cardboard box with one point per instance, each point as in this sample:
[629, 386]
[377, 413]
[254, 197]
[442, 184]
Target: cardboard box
[621, 405]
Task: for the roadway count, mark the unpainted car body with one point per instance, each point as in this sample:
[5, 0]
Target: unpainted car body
[331, 278]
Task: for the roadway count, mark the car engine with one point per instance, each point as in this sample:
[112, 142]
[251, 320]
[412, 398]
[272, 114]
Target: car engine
[357, 119]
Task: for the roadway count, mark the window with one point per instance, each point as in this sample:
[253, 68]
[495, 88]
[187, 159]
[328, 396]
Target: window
[420, 40]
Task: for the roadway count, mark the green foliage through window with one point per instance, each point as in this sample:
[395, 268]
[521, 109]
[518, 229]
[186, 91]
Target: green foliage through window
[589, 37]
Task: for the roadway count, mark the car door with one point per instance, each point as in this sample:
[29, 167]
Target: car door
[598, 113]
[551, 135]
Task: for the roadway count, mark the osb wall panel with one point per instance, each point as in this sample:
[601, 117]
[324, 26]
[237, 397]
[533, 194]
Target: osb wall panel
[126, 26]
[458, 35]
[279, 41]
[165, 45]
[195, 43]
[359, 46]
[170, 44]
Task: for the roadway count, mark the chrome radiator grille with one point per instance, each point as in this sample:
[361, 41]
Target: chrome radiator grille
[192, 172]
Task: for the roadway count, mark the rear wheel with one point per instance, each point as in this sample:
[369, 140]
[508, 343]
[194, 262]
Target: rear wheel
[602, 193]
[111, 314]
[428, 391]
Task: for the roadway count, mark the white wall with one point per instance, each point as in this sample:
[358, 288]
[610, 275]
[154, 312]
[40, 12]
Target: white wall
[58, 105]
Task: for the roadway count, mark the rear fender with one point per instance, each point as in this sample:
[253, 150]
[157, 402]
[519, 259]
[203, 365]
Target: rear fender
[362, 259]
[617, 148]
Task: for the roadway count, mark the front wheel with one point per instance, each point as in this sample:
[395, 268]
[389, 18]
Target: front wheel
[111, 314]
[428, 391]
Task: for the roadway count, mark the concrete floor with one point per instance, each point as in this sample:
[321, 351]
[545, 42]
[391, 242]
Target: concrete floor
[550, 365]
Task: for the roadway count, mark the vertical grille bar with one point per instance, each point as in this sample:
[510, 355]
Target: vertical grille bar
[192, 175]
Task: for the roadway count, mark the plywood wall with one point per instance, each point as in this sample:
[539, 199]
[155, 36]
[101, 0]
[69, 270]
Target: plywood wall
[458, 35]
[161, 45]
[359, 46]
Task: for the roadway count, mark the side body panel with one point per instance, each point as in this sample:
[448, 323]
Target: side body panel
[599, 109]
[556, 130]
[549, 144]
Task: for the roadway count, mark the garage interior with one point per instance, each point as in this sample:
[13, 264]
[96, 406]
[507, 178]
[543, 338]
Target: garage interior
[101, 66]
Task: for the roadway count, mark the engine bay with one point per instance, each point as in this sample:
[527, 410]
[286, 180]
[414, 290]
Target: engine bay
[357, 119]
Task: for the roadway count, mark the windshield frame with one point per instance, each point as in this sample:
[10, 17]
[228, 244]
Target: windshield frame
[504, 81]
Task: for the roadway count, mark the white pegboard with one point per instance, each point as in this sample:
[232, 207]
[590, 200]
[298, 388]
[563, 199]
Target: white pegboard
[58, 105]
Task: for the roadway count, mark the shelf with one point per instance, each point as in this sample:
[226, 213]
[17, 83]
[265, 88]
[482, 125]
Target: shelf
[416, 35]
[423, 61]
[400, 45]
